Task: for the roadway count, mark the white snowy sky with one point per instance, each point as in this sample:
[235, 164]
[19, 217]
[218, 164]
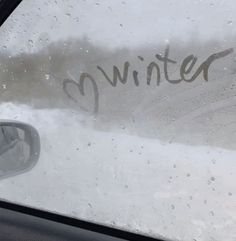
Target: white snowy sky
[120, 22]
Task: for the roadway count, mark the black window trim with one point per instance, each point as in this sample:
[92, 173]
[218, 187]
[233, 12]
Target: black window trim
[6, 8]
[74, 222]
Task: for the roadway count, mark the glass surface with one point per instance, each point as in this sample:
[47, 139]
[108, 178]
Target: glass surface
[135, 105]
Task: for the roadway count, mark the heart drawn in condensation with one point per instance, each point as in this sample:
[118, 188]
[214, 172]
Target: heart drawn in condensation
[80, 85]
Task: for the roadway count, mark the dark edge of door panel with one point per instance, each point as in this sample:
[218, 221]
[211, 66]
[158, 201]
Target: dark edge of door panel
[6, 8]
[76, 222]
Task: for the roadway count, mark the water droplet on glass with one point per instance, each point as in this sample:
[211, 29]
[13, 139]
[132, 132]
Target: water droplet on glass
[213, 179]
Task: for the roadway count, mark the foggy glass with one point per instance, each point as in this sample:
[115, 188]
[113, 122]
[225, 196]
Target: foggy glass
[135, 106]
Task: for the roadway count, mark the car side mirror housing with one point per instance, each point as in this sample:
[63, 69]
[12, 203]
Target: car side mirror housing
[19, 148]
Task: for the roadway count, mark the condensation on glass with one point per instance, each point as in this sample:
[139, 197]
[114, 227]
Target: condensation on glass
[135, 105]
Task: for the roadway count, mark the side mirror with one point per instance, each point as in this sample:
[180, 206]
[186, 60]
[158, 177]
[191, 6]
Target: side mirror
[19, 148]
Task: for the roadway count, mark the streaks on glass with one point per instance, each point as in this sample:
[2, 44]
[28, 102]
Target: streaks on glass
[81, 88]
[186, 67]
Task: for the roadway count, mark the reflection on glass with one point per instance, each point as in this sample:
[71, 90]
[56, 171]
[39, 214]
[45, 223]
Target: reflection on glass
[19, 148]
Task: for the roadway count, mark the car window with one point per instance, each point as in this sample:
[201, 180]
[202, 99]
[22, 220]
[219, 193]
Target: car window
[134, 103]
